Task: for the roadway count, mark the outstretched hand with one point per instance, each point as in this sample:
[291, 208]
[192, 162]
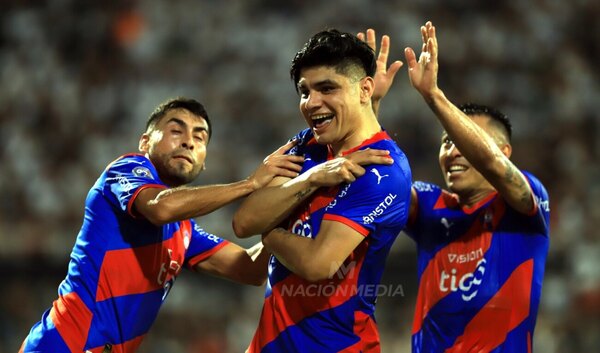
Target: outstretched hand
[384, 75]
[423, 73]
[277, 163]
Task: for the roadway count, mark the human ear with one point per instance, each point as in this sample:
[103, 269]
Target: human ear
[367, 85]
[143, 145]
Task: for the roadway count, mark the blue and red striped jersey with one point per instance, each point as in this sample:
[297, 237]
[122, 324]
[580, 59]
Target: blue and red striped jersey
[480, 271]
[337, 314]
[121, 269]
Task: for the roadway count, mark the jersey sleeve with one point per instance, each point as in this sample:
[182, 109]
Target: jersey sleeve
[126, 177]
[541, 213]
[378, 198]
[202, 245]
[303, 138]
[427, 195]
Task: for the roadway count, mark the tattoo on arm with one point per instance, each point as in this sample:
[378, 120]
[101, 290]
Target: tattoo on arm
[300, 194]
[514, 177]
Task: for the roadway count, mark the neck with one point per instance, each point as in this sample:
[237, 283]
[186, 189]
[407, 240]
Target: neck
[369, 126]
[471, 199]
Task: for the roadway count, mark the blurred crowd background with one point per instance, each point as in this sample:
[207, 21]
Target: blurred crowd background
[79, 78]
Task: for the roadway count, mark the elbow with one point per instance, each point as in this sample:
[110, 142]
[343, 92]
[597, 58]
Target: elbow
[158, 217]
[240, 226]
[257, 281]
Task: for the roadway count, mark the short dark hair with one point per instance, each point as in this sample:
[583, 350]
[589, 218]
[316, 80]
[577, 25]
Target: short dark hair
[497, 116]
[334, 48]
[189, 104]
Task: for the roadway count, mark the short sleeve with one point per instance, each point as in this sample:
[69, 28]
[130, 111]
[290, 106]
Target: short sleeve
[541, 213]
[202, 245]
[379, 198]
[127, 176]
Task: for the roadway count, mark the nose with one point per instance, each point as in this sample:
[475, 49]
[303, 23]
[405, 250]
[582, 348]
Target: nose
[313, 100]
[187, 141]
[452, 151]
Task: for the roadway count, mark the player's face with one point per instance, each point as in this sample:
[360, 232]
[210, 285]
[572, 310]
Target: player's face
[462, 178]
[329, 102]
[177, 146]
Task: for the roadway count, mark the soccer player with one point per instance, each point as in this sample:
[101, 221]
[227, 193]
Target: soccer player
[331, 228]
[481, 245]
[138, 233]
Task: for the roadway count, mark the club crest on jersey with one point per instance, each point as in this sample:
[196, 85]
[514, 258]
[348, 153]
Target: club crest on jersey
[142, 172]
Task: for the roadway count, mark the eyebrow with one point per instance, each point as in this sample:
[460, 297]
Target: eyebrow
[184, 124]
[325, 82]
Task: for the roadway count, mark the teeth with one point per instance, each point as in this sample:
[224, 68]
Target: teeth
[457, 168]
[321, 116]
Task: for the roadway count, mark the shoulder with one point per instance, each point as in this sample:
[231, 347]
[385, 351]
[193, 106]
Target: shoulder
[130, 159]
[539, 191]
[304, 138]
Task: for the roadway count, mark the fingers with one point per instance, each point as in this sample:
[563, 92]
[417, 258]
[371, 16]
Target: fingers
[393, 69]
[370, 156]
[382, 58]
[283, 149]
[371, 39]
[411, 58]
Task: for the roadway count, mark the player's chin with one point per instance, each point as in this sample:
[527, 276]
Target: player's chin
[186, 175]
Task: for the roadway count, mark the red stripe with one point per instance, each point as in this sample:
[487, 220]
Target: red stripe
[366, 329]
[205, 255]
[500, 315]
[294, 298]
[350, 223]
[475, 240]
[528, 342]
[446, 200]
[142, 269]
[381, 135]
[322, 198]
[72, 320]
[137, 192]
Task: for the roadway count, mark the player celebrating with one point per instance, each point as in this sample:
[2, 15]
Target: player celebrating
[330, 250]
[138, 233]
[482, 246]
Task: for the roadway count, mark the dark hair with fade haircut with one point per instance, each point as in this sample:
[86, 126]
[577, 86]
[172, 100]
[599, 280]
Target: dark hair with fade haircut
[189, 104]
[335, 49]
[497, 116]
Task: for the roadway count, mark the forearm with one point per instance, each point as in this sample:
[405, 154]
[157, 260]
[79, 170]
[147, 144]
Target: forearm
[296, 253]
[189, 202]
[266, 208]
[476, 145]
[245, 266]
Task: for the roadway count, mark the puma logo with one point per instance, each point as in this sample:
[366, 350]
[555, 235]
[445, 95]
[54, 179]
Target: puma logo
[379, 176]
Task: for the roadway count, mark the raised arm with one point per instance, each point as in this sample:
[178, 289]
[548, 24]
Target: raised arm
[472, 141]
[266, 208]
[161, 206]
[384, 76]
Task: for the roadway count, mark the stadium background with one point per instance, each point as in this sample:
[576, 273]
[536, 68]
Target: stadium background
[79, 78]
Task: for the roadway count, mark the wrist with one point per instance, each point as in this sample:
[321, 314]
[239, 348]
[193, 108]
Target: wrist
[434, 98]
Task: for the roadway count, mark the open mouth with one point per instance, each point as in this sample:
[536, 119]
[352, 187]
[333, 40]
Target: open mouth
[456, 169]
[321, 121]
